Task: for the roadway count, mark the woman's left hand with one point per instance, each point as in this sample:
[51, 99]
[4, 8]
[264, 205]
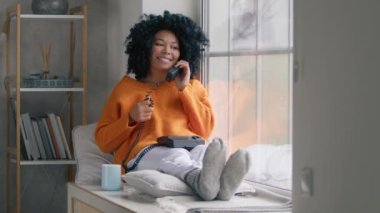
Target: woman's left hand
[183, 79]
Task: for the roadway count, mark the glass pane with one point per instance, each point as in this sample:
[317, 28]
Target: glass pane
[243, 24]
[218, 25]
[273, 19]
[291, 24]
[272, 155]
[275, 99]
[243, 102]
[233, 96]
[219, 95]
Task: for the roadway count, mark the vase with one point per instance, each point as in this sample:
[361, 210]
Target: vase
[52, 7]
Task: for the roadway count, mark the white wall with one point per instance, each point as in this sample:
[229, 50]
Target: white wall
[336, 105]
[122, 15]
[186, 7]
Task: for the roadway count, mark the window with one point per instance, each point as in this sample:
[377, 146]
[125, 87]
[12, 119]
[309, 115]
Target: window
[248, 73]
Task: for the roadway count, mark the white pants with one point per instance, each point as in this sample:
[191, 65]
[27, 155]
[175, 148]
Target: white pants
[174, 161]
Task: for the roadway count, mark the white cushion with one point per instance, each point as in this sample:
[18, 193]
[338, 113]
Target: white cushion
[159, 184]
[156, 183]
[271, 164]
[88, 155]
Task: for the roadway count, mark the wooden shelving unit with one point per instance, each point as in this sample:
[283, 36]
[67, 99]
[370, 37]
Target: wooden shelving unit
[14, 18]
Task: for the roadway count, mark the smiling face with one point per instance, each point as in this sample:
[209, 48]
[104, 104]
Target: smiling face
[165, 54]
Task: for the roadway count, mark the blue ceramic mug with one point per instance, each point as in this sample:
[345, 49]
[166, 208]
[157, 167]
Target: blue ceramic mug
[111, 177]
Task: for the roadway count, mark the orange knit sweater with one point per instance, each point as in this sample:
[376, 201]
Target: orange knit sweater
[179, 113]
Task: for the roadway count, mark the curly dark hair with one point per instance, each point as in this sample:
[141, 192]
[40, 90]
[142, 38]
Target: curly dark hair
[139, 42]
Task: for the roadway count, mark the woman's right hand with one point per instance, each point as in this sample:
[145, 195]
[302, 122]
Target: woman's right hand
[141, 112]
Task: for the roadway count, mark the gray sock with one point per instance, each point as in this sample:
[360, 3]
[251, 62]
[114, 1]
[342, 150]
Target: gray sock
[205, 181]
[233, 173]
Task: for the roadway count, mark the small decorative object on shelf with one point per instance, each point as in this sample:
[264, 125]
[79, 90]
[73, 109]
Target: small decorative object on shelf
[52, 7]
[39, 81]
[45, 54]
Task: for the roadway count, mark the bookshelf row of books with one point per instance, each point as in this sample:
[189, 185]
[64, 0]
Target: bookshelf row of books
[43, 138]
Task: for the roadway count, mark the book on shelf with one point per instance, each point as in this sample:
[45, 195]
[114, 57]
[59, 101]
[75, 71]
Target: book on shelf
[56, 133]
[24, 141]
[44, 138]
[50, 139]
[64, 140]
[37, 134]
[27, 122]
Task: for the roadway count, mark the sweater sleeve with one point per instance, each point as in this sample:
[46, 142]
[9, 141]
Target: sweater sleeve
[112, 129]
[198, 108]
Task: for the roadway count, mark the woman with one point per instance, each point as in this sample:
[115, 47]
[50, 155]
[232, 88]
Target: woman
[142, 109]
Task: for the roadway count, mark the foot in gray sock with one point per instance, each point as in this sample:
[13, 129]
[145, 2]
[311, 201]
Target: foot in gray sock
[233, 173]
[205, 181]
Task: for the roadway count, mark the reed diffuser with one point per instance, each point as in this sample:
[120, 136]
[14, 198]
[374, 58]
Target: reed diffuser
[45, 54]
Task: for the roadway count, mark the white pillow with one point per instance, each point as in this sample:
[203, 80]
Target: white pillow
[270, 162]
[159, 184]
[156, 183]
[88, 155]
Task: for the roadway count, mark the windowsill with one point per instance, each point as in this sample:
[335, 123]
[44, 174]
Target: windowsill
[273, 187]
[109, 201]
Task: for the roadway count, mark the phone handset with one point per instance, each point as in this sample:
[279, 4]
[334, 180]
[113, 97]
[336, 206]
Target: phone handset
[172, 73]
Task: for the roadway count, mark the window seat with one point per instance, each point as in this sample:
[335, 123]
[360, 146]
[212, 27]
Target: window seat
[92, 199]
